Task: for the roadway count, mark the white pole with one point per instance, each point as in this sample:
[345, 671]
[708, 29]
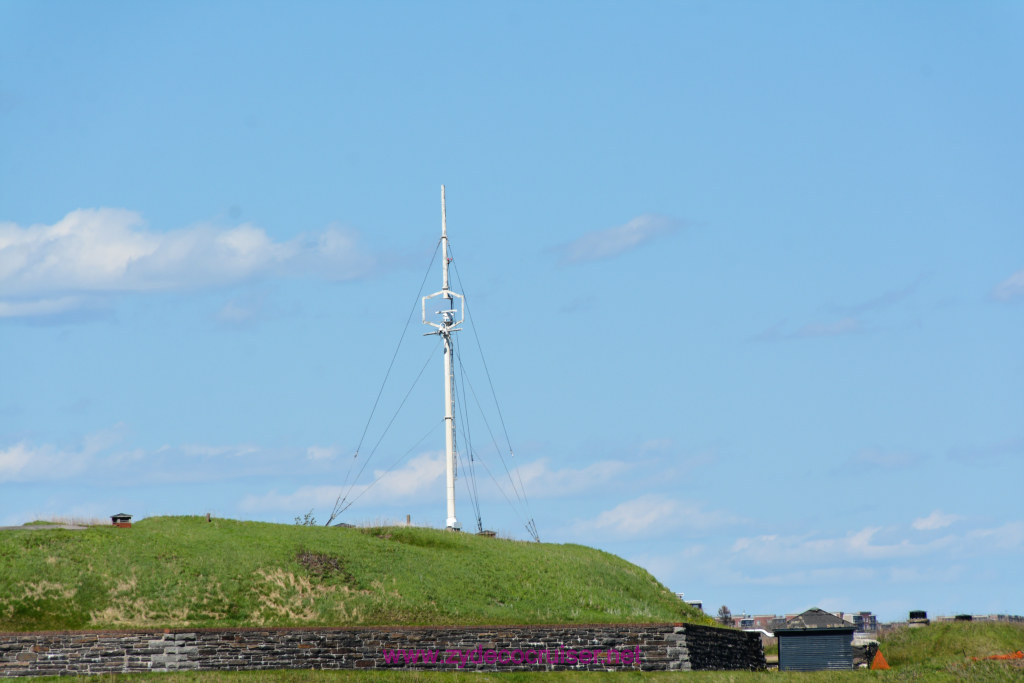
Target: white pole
[448, 322]
[449, 434]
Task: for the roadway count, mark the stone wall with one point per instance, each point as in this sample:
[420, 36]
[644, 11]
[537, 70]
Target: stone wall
[492, 648]
[719, 648]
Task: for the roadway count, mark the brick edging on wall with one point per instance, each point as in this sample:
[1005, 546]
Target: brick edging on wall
[520, 648]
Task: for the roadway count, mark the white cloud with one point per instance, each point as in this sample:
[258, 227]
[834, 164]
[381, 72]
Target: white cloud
[864, 545]
[303, 498]
[639, 515]
[321, 452]
[16, 459]
[24, 462]
[41, 307]
[929, 574]
[235, 313]
[46, 269]
[859, 545]
[610, 242]
[653, 514]
[541, 481]
[421, 474]
[1010, 288]
[104, 455]
[418, 479]
[655, 446]
[936, 520]
[814, 576]
[205, 451]
[1009, 536]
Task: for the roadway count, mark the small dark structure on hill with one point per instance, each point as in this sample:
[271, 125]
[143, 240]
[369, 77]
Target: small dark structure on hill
[814, 641]
[122, 520]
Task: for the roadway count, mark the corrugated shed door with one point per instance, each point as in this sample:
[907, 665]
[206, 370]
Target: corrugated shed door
[815, 652]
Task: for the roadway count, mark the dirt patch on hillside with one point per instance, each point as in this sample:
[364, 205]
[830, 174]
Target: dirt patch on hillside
[323, 565]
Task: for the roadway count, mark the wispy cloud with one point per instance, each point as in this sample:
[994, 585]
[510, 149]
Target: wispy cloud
[51, 269]
[815, 576]
[932, 574]
[936, 520]
[841, 319]
[42, 307]
[235, 313]
[860, 545]
[880, 301]
[874, 543]
[654, 514]
[610, 242]
[107, 455]
[1010, 288]
[989, 453]
[416, 480]
[1009, 536]
[302, 498]
[541, 480]
[321, 452]
[890, 460]
[833, 328]
[204, 451]
[830, 329]
[25, 461]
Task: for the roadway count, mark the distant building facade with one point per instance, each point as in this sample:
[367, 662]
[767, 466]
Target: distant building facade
[865, 622]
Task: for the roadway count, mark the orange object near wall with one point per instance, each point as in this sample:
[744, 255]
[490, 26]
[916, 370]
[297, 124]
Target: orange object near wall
[1013, 655]
[879, 663]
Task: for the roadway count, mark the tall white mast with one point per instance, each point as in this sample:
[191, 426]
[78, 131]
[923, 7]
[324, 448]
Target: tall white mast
[448, 322]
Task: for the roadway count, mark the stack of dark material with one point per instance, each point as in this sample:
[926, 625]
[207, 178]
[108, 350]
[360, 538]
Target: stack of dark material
[919, 617]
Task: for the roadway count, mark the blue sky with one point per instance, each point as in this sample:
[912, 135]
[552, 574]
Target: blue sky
[748, 277]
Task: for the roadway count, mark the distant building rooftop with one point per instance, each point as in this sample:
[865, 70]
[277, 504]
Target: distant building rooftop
[121, 519]
[816, 619]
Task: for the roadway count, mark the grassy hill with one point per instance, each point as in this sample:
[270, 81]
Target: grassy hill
[184, 571]
[951, 644]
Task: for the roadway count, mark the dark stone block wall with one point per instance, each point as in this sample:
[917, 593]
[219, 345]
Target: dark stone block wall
[711, 648]
[489, 648]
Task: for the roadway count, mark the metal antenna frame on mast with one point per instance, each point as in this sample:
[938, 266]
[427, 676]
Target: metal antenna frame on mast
[449, 322]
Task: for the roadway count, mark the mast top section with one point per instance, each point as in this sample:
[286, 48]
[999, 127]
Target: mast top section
[444, 244]
[452, 317]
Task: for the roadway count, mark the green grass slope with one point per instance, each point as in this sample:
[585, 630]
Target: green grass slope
[947, 643]
[184, 571]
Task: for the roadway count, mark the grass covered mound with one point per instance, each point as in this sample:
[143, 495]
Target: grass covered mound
[184, 571]
[942, 644]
